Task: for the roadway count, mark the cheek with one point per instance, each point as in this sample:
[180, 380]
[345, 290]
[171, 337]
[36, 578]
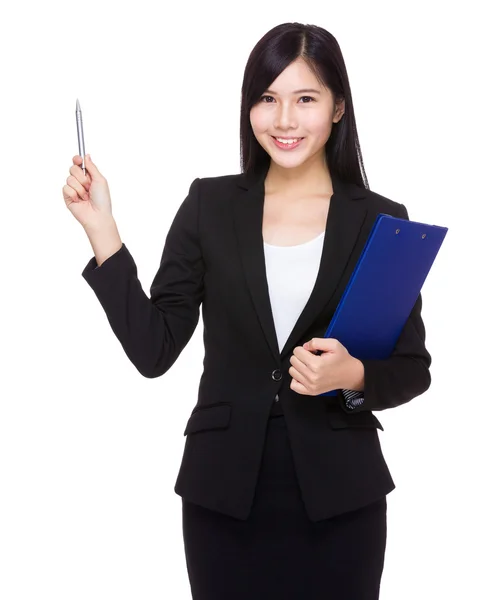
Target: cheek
[259, 121]
[318, 125]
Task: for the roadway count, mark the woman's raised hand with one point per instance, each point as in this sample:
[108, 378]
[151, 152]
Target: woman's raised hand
[87, 196]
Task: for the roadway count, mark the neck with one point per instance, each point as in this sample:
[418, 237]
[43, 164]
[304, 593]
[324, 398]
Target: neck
[305, 180]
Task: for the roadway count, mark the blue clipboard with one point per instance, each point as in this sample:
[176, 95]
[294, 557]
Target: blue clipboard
[384, 286]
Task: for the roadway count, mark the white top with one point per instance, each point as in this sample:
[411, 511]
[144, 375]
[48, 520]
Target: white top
[291, 274]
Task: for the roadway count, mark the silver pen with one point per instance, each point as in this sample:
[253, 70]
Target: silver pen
[81, 139]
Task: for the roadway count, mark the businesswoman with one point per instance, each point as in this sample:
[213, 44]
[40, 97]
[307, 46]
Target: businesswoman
[283, 488]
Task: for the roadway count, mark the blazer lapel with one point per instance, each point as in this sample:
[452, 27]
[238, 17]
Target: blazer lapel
[345, 219]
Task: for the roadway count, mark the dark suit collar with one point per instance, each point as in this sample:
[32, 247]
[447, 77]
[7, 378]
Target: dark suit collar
[346, 216]
[250, 180]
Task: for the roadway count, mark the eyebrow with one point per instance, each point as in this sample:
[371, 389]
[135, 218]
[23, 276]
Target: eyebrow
[296, 91]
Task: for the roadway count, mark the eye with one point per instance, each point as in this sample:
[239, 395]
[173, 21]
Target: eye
[310, 98]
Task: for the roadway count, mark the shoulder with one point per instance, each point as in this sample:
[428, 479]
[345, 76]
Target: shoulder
[383, 204]
[205, 190]
[220, 182]
[218, 190]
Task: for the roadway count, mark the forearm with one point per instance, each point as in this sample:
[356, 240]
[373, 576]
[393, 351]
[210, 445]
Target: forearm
[151, 337]
[356, 373]
[104, 239]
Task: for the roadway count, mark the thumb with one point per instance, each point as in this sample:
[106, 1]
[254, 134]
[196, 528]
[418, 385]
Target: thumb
[91, 168]
[318, 344]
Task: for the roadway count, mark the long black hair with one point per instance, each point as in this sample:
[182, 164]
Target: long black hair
[319, 49]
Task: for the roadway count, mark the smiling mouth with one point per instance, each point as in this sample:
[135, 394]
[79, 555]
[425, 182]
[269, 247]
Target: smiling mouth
[286, 146]
[297, 138]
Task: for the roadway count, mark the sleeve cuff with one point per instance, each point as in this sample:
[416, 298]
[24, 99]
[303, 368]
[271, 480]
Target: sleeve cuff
[352, 399]
[121, 254]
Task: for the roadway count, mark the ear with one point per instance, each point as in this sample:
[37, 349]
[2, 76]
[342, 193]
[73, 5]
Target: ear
[339, 111]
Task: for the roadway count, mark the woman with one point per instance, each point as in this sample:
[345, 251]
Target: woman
[283, 489]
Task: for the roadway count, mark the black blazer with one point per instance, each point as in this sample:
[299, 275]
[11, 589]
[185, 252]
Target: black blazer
[214, 256]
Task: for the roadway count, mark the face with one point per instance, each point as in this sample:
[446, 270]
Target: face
[285, 113]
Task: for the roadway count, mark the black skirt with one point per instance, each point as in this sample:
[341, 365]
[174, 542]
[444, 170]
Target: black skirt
[278, 553]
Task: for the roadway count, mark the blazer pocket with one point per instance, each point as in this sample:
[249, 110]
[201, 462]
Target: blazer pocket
[212, 416]
[339, 419]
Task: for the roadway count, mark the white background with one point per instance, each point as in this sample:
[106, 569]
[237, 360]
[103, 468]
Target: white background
[90, 449]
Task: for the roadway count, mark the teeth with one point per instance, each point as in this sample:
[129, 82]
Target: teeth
[288, 141]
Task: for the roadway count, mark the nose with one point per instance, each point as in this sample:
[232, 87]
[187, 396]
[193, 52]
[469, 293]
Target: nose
[285, 119]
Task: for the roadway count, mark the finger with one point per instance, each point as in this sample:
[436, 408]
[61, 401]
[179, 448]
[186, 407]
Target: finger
[77, 186]
[85, 180]
[298, 364]
[70, 194]
[308, 357]
[299, 377]
[78, 160]
[298, 387]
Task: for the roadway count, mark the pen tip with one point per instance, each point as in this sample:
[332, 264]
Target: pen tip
[77, 105]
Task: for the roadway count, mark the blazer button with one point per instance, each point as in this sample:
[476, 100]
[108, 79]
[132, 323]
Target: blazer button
[276, 375]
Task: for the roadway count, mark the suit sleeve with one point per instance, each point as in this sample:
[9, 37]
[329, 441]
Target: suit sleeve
[153, 331]
[401, 377]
